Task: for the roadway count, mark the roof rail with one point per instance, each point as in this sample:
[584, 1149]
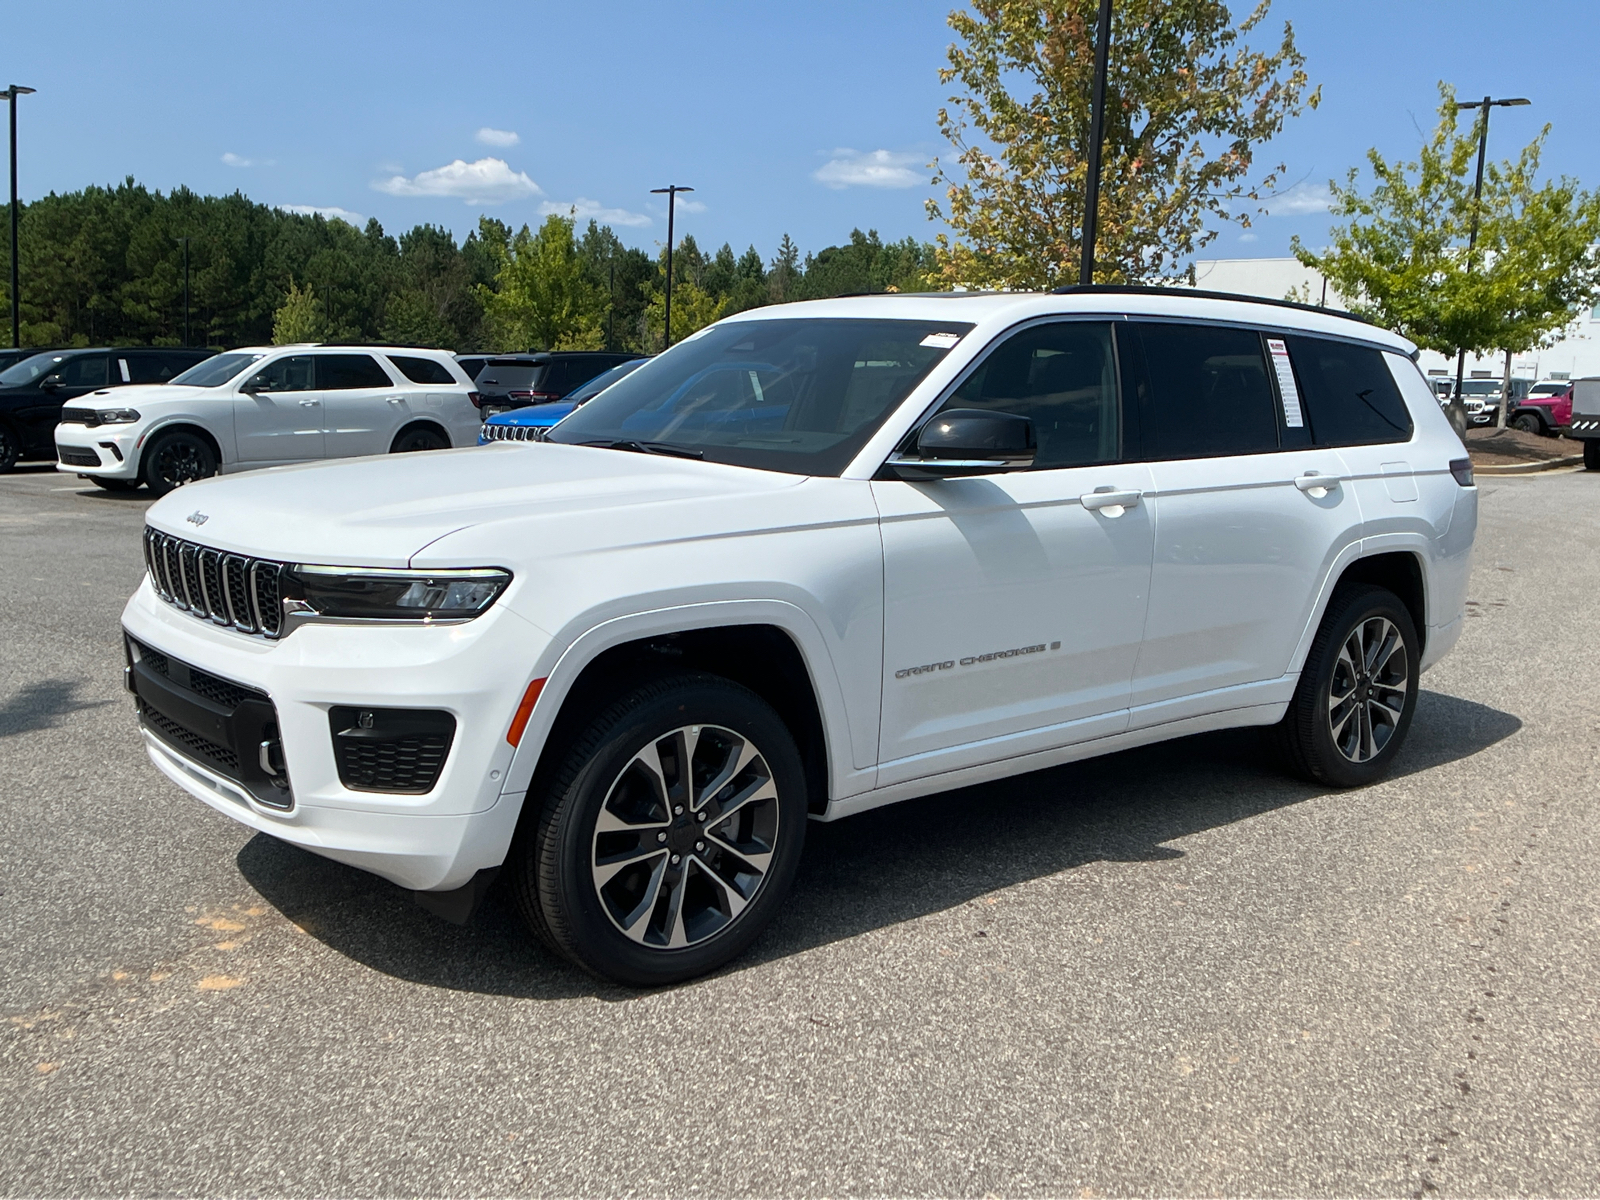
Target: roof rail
[1129, 289]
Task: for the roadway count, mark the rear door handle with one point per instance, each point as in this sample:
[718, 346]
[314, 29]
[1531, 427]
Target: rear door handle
[1315, 481]
[397, 399]
[1106, 498]
[309, 403]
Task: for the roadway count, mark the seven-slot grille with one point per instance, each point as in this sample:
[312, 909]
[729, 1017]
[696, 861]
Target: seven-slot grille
[228, 589]
[514, 433]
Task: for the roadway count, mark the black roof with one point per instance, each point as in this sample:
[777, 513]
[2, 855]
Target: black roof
[1129, 289]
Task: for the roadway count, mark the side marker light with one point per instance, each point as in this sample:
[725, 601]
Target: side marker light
[519, 723]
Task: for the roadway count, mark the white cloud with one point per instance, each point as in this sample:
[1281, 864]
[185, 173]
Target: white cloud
[331, 212]
[875, 168]
[680, 204]
[497, 137]
[238, 160]
[487, 181]
[1249, 237]
[1299, 200]
[583, 209]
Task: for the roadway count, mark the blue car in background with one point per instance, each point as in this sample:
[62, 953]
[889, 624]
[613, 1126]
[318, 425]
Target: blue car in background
[532, 422]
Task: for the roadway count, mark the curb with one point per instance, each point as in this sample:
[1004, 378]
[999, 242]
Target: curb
[1554, 464]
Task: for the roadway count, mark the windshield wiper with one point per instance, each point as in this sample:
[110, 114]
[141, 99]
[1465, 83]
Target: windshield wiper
[646, 448]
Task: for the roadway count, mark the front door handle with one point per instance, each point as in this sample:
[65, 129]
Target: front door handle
[1106, 499]
[1316, 484]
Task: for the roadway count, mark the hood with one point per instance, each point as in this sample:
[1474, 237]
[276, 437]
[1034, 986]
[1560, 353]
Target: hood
[131, 395]
[381, 511]
[534, 414]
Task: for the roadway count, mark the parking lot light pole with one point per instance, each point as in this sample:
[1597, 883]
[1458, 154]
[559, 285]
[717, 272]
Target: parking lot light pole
[671, 193]
[1097, 132]
[1458, 402]
[11, 93]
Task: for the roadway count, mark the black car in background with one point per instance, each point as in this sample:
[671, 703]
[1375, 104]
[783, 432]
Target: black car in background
[510, 381]
[11, 357]
[32, 391]
[473, 364]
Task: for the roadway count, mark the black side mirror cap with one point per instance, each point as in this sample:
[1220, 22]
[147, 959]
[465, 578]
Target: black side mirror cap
[51, 382]
[968, 441]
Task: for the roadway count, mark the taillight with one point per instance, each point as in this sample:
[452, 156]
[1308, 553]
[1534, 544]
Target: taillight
[1461, 468]
[477, 400]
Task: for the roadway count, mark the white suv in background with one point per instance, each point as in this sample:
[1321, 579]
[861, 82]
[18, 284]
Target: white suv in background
[817, 558]
[266, 407]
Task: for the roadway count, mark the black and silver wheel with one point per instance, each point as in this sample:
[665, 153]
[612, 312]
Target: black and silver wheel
[1357, 691]
[1527, 422]
[419, 437]
[1591, 454]
[668, 838]
[175, 459]
[10, 449]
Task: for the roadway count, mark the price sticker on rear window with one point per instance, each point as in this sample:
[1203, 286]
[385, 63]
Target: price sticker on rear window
[940, 341]
[1292, 416]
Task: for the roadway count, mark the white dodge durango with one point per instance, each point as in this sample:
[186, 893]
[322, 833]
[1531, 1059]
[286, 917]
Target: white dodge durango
[265, 407]
[815, 559]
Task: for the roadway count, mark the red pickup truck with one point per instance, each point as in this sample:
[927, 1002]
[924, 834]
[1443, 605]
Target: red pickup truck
[1543, 413]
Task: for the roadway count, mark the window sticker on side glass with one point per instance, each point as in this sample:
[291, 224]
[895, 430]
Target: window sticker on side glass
[1291, 394]
[940, 341]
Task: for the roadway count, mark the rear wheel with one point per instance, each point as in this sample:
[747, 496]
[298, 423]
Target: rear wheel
[666, 840]
[175, 459]
[1357, 690]
[1528, 423]
[419, 437]
[1591, 454]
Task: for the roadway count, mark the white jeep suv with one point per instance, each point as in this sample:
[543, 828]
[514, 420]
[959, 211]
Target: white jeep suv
[264, 407]
[815, 559]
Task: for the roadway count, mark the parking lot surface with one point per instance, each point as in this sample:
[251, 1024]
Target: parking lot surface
[1170, 971]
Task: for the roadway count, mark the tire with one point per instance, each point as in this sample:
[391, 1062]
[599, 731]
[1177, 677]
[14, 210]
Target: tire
[1528, 423]
[650, 921]
[175, 459]
[419, 437]
[1323, 739]
[1591, 454]
[10, 449]
[114, 485]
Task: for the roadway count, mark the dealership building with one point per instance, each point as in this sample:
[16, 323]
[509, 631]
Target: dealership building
[1577, 354]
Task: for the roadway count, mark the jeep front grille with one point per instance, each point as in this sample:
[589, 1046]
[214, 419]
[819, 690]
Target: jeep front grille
[227, 589]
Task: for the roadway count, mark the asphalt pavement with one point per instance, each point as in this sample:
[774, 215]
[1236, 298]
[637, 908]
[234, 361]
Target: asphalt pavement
[1170, 971]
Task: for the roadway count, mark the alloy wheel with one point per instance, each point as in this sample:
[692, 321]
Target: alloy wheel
[685, 838]
[1367, 693]
[179, 462]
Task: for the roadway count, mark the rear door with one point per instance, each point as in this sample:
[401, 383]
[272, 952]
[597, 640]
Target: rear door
[281, 421]
[1250, 516]
[363, 407]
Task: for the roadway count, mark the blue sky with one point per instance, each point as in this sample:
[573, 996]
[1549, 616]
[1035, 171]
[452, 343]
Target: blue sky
[807, 118]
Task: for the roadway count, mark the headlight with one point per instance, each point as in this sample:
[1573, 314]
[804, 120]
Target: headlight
[372, 593]
[118, 416]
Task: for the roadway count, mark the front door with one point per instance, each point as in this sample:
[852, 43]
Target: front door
[280, 421]
[1246, 534]
[1014, 603]
[79, 375]
[364, 408]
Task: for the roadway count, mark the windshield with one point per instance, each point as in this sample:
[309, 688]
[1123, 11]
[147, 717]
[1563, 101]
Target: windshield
[29, 369]
[801, 395]
[215, 372]
[604, 380]
[1480, 387]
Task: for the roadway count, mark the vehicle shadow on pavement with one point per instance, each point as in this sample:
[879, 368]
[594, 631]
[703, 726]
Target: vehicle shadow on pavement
[878, 869]
[41, 705]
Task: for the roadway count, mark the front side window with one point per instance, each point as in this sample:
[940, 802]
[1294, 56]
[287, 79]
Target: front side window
[422, 370]
[218, 370]
[89, 370]
[1210, 394]
[345, 372]
[1349, 392]
[801, 395]
[292, 374]
[1062, 377]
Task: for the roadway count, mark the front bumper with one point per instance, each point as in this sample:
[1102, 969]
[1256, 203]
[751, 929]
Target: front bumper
[434, 841]
[109, 451]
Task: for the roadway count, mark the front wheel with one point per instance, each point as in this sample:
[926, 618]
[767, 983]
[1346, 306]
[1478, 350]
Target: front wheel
[667, 839]
[175, 459]
[1357, 690]
[10, 449]
[1528, 423]
[1591, 454]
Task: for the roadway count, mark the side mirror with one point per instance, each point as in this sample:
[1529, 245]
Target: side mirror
[51, 382]
[256, 383]
[968, 441]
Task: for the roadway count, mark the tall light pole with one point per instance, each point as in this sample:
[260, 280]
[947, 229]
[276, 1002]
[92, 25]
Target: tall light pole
[11, 93]
[1458, 408]
[671, 193]
[185, 242]
[1097, 131]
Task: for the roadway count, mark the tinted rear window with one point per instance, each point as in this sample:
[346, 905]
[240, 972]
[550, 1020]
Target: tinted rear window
[1210, 392]
[1349, 393]
[422, 370]
[498, 378]
[338, 372]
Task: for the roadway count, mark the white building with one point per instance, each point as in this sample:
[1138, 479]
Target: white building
[1576, 355]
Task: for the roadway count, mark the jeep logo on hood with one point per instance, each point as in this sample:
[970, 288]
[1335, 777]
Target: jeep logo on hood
[197, 517]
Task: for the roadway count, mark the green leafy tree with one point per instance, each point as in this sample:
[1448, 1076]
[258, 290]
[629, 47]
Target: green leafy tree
[544, 298]
[300, 318]
[692, 310]
[1187, 107]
